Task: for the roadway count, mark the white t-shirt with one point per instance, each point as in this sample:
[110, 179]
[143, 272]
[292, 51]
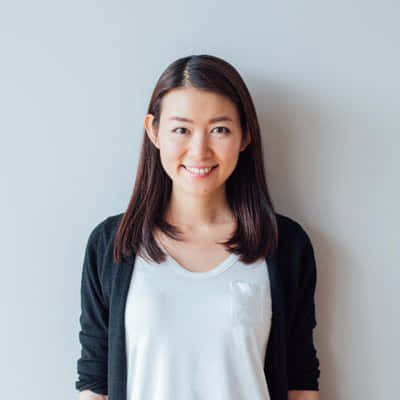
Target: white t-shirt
[197, 335]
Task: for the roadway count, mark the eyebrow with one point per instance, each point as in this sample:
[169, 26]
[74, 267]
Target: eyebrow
[212, 120]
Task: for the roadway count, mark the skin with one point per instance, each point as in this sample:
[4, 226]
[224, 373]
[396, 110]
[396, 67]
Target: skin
[293, 395]
[303, 395]
[89, 395]
[197, 204]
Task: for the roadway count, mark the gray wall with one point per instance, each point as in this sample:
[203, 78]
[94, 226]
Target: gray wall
[76, 78]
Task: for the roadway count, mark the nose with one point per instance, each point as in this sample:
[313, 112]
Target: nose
[199, 146]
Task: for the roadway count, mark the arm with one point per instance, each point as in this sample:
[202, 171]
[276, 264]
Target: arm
[93, 336]
[303, 363]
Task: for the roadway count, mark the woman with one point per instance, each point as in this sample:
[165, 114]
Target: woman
[200, 290]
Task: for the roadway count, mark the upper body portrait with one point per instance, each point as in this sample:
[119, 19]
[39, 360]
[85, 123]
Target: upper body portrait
[200, 289]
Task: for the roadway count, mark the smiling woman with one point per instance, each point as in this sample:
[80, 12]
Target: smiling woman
[199, 290]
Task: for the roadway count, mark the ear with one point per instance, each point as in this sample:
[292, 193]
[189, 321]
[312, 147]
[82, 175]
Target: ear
[150, 130]
[246, 139]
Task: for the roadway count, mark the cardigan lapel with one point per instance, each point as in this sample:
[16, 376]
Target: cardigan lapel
[117, 366]
[275, 366]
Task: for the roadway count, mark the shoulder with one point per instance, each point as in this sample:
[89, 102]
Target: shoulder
[295, 253]
[102, 233]
[291, 233]
[100, 243]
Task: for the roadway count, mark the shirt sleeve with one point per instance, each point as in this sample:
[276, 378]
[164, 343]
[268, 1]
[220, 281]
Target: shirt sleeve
[303, 363]
[93, 335]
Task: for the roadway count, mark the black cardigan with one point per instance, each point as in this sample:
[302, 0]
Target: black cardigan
[291, 361]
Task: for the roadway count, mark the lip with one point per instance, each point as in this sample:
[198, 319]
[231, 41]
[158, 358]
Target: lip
[196, 176]
[199, 167]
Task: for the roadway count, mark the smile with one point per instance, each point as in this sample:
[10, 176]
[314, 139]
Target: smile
[199, 173]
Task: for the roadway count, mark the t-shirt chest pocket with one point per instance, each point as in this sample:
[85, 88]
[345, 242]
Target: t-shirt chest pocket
[248, 303]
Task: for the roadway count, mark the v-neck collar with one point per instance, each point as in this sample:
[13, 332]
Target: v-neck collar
[221, 267]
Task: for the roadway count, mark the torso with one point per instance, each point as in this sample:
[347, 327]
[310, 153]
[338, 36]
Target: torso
[200, 251]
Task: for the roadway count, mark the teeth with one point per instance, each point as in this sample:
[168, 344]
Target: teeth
[200, 171]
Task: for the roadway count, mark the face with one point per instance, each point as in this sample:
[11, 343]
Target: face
[197, 129]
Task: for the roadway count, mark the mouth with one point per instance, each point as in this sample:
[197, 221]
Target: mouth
[199, 175]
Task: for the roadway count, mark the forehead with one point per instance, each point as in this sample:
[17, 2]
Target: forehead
[197, 104]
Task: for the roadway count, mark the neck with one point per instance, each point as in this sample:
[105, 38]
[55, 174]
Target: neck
[192, 212]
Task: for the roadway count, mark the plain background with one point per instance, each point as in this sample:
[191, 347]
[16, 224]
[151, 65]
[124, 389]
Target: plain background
[76, 78]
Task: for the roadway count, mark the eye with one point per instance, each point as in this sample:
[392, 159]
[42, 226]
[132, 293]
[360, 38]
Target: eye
[222, 127]
[217, 127]
[180, 127]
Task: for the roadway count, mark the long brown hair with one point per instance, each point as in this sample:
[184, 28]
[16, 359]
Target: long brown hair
[246, 189]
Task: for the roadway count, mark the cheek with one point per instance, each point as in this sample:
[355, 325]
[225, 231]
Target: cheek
[229, 154]
[169, 154]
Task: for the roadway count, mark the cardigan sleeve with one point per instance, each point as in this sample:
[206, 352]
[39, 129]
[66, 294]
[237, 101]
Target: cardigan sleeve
[93, 335]
[303, 363]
